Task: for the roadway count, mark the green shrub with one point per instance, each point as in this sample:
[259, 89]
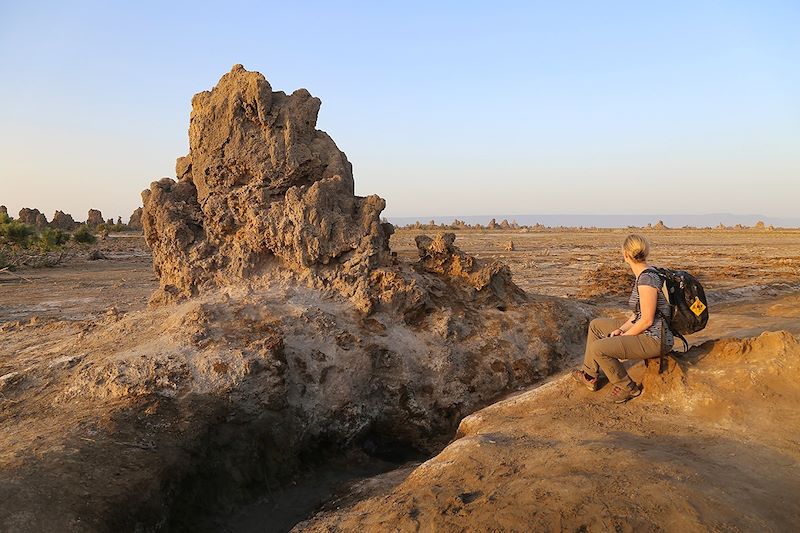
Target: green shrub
[5, 219]
[84, 235]
[22, 245]
[16, 233]
[51, 239]
[111, 228]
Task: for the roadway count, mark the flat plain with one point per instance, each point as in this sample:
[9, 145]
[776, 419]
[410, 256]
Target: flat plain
[752, 277]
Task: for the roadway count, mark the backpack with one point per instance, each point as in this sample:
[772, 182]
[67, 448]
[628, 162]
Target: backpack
[687, 299]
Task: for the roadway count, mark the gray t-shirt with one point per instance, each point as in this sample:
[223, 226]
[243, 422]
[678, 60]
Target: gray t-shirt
[651, 279]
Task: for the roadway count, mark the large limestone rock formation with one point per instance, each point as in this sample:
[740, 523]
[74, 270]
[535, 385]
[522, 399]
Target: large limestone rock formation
[264, 202]
[302, 332]
[63, 221]
[33, 217]
[660, 225]
[135, 222]
[27, 215]
[261, 187]
[3, 211]
[263, 197]
[94, 218]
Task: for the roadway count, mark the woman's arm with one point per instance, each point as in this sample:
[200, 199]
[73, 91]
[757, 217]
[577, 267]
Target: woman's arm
[648, 296]
[624, 327]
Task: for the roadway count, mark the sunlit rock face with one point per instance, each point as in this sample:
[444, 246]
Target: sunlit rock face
[260, 189]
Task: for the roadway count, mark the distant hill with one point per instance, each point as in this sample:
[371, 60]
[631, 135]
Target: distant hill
[611, 221]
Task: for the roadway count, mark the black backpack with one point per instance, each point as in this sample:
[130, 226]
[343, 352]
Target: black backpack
[687, 299]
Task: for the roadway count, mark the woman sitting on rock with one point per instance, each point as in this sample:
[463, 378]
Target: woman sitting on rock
[638, 338]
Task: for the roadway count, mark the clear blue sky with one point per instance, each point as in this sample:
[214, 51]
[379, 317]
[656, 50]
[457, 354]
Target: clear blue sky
[454, 108]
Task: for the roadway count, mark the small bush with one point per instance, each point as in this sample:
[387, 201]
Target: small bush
[111, 228]
[22, 245]
[16, 233]
[84, 235]
[52, 239]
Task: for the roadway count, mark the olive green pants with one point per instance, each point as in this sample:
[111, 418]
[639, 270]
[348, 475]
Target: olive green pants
[604, 352]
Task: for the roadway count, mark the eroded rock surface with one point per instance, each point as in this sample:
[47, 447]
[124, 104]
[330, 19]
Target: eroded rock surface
[487, 281]
[176, 410]
[33, 217]
[261, 186]
[285, 319]
[710, 445]
[135, 222]
[63, 221]
[94, 218]
[263, 196]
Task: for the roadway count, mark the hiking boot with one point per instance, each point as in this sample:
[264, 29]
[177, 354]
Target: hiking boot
[623, 394]
[586, 380]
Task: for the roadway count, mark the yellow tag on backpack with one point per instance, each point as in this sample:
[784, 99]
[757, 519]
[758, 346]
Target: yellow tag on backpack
[697, 306]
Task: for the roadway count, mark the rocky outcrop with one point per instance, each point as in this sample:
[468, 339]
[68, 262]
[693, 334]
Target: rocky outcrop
[548, 459]
[607, 280]
[260, 188]
[3, 211]
[264, 201]
[27, 215]
[94, 218]
[63, 221]
[301, 327]
[32, 217]
[135, 222]
[200, 402]
[475, 279]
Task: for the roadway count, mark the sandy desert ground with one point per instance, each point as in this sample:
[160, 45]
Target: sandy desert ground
[700, 447]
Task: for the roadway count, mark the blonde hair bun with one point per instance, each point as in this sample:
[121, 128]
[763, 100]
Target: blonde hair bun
[637, 247]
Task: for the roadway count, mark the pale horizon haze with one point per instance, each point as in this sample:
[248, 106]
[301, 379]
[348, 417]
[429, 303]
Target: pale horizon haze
[459, 108]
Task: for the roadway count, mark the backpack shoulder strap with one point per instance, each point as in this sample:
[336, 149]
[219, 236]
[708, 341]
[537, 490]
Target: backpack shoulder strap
[652, 270]
[664, 320]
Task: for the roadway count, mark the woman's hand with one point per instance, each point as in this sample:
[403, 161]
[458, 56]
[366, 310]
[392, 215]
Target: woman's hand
[616, 333]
